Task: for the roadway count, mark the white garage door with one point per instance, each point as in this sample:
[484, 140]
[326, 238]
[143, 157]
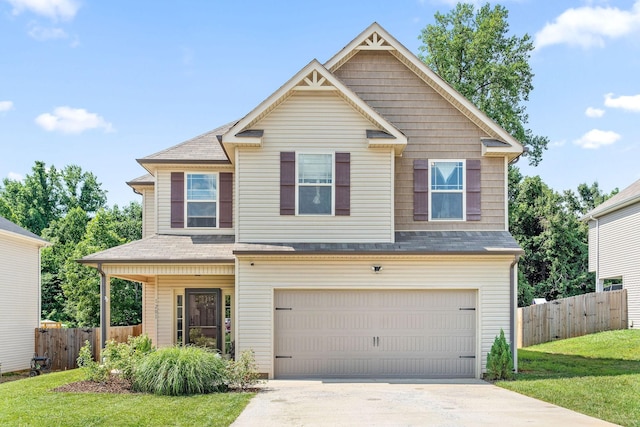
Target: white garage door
[376, 334]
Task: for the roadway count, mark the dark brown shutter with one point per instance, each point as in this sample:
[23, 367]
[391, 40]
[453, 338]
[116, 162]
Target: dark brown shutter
[288, 183]
[421, 190]
[177, 200]
[343, 184]
[473, 190]
[226, 200]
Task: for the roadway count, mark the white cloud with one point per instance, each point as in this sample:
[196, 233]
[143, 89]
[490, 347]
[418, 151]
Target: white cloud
[54, 9]
[42, 33]
[594, 112]
[596, 138]
[72, 120]
[629, 103]
[589, 26]
[6, 106]
[559, 143]
[14, 176]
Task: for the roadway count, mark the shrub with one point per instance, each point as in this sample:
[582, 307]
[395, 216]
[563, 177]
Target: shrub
[176, 371]
[243, 373]
[93, 371]
[499, 360]
[121, 357]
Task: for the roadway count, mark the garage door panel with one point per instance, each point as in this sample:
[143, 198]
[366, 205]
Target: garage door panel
[425, 334]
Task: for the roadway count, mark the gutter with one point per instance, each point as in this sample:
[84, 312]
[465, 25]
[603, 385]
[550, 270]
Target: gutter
[597, 220]
[103, 306]
[513, 282]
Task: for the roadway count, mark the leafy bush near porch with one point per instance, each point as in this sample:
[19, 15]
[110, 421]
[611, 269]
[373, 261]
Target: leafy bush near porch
[120, 357]
[499, 360]
[243, 373]
[176, 371]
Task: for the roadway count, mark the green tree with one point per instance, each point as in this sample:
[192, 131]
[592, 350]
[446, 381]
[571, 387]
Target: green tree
[81, 284]
[473, 52]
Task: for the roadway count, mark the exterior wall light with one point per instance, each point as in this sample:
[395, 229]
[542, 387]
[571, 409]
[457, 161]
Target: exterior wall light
[376, 268]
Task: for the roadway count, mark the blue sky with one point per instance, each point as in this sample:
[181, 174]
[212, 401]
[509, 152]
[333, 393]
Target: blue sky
[102, 83]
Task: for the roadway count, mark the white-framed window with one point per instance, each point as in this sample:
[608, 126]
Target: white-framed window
[447, 190]
[315, 183]
[201, 200]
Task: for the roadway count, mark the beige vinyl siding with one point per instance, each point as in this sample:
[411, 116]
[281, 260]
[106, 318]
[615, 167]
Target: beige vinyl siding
[620, 253]
[315, 122]
[163, 187]
[149, 212]
[149, 312]
[19, 301]
[168, 288]
[256, 284]
[435, 130]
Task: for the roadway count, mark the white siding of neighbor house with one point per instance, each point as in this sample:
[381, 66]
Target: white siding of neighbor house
[167, 289]
[315, 122]
[19, 301]
[619, 253]
[163, 200]
[149, 212]
[256, 284]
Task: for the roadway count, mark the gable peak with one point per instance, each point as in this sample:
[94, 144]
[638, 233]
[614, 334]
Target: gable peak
[375, 41]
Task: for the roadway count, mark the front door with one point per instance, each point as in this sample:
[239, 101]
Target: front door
[203, 317]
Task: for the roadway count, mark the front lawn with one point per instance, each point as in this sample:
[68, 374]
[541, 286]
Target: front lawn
[30, 402]
[597, 374]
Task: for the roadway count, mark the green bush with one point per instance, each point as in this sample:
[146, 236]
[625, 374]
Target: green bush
[176, 371]
[243, 373]
[121, 357]
[93, 371]
[499, 360]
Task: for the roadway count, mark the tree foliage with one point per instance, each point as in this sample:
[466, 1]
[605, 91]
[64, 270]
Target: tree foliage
[473, 51]
[548, 227]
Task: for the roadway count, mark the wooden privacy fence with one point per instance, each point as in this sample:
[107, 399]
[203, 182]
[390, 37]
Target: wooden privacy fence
[63, 345]
[572, 317]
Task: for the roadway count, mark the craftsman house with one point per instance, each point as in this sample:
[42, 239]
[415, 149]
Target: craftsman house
[354, 224]
[614, 246]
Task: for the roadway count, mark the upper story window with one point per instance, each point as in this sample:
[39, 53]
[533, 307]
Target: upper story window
[447, 185]
[202, 197]
[315, 184]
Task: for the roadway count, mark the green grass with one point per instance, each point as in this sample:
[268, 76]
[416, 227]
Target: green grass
[597, 375]
[30, 402]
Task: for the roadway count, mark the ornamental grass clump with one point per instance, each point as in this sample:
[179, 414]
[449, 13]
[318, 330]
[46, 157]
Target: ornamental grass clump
[499, 360]
[177, 371]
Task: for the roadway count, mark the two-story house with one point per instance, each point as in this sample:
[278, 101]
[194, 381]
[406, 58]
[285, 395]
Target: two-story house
[354, 224]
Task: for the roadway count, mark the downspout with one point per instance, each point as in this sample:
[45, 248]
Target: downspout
[598, 285]
[103, 306]
[513, 281]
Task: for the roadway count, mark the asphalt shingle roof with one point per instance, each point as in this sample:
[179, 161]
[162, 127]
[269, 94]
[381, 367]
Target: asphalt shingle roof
[202, 149]
[629, 194]
[171, 248]
[6, 225]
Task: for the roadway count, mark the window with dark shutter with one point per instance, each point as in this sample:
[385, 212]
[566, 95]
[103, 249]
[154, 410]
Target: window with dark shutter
[343, 184]
[226, 200]
[177, 200]
[421, 190]
[473, 190]
[288, 183]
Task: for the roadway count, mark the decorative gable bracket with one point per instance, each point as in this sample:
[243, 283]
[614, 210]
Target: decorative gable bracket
[314, 81]
[375, 42]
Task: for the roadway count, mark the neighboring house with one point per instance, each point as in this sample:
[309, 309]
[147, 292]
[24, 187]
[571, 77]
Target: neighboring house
[19, 294]
[614, 245]
[354, 224]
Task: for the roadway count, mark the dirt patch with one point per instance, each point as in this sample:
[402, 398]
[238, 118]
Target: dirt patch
[13, 376]
[113, 385]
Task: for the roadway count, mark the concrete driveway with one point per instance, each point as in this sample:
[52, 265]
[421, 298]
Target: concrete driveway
[448, 403]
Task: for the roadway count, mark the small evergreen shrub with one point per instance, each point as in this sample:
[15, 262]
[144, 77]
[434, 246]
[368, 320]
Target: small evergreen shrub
[177, 371]
[499, 360]
[243, 373]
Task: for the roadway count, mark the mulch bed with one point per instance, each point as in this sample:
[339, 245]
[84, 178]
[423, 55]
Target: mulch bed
[113, 385]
